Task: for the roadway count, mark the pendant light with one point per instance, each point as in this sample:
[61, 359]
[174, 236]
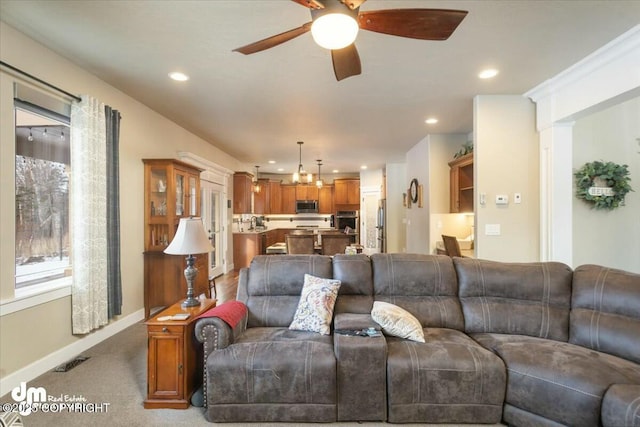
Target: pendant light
[319, 180]
[298, 176]
[256, 183]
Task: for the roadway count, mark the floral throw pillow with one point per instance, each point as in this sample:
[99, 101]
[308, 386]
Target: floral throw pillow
[397, 321]
[315, 309]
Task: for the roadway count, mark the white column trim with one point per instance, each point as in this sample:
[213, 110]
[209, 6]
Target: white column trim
[609, 75]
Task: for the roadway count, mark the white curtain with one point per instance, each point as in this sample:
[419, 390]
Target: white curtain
[89, 210]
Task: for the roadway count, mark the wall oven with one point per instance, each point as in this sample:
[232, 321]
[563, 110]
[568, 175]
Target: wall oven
[347, 219]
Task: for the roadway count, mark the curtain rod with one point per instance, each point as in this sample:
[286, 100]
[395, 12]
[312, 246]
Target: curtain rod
[49, 85]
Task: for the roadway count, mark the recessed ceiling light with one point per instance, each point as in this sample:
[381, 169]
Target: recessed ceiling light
[431, 121]
[272, 162]
[335, 171]
[363, 167]
[178, 76]
[488, 73]
[280, 169]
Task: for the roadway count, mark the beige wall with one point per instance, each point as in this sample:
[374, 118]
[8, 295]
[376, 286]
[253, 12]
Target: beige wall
[506, 161]
[428, 161]
[418, 218]
[143, 134]
[610, 238]
[396, 178]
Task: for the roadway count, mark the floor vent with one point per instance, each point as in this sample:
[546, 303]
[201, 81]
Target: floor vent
[67, 366]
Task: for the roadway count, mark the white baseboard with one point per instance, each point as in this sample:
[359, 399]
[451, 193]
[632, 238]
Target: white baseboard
[39, 367]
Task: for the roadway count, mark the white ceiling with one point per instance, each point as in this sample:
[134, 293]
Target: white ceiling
[256, 107]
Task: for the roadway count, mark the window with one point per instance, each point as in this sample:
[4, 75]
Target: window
[42, 168]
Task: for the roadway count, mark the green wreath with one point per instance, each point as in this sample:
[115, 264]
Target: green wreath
[614, 184]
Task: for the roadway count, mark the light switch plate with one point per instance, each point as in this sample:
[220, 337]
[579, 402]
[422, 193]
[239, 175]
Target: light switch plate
[502, 199]
[492, 229]
[517, 198]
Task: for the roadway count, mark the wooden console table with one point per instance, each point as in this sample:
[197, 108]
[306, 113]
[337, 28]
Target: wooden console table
[174, 357]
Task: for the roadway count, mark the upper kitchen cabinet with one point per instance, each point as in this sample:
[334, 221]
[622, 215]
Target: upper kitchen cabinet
[461, 184]
[275, 196]
[262, 199]
[288, 199]
[242, 182]
[346, 191]
[325, 200]
[306, 192]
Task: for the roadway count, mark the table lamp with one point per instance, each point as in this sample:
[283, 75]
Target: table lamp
[190, 239]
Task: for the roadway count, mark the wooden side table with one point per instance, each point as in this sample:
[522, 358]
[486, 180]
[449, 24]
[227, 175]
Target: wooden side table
[174, 357]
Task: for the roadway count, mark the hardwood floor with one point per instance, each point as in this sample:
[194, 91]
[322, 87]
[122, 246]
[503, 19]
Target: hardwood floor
[226, 287]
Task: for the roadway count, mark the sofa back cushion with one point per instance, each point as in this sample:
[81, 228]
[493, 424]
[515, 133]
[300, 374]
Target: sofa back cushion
[356, 289]
[515, 298]
[424, 285]
[272, 285]
[605, 311]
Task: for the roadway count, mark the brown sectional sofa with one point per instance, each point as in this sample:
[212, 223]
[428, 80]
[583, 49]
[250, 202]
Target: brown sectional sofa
[527, 344]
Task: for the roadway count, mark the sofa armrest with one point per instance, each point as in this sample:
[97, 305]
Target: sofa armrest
[213, 333]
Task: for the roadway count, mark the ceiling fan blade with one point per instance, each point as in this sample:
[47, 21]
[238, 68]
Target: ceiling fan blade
[424, 24]
[272, 41]
[346, 62]
[311, 4]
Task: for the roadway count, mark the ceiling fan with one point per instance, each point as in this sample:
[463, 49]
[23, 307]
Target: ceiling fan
[424, 24]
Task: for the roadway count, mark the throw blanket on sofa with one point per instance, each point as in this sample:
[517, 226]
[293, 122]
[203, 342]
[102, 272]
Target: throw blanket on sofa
[231, 312]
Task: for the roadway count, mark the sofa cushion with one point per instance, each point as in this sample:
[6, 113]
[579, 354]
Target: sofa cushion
[260, 381]
[605, 311]
[396, 321]
[271, 287]
[448, 379]
[424, 285]
[315, 309]
[515, 298]
[558, 380]
[621, 406]
[356, 290]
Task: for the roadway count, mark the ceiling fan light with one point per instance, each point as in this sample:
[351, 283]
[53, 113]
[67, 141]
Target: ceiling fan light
[334, 30]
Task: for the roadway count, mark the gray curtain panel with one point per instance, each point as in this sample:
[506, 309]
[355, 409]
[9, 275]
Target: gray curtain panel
[114, 278]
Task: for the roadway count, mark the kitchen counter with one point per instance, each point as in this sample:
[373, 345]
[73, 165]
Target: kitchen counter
[249, 243]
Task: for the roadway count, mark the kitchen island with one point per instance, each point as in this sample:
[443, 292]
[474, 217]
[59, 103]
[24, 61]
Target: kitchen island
[248, 244]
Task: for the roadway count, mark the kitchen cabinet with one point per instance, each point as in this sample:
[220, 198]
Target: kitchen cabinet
[171, 191]
[242, 182]
[174, 357]
[306, 192]
[275, 196]
[346, 191]
[262, 199]
[245, 247]
[461, 184]
[325, 200]
[287, 199]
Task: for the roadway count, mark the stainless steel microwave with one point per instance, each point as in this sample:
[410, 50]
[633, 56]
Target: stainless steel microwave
[306, 206]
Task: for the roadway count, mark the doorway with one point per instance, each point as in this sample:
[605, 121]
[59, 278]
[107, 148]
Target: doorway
[213, 218]
[369, 232]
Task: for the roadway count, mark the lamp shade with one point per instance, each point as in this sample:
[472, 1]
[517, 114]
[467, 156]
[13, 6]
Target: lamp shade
[190, 238]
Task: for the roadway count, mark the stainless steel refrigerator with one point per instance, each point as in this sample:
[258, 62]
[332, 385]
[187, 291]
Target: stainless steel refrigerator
[382, 225]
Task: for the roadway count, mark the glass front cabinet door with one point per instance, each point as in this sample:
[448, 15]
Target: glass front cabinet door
[171, 191]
